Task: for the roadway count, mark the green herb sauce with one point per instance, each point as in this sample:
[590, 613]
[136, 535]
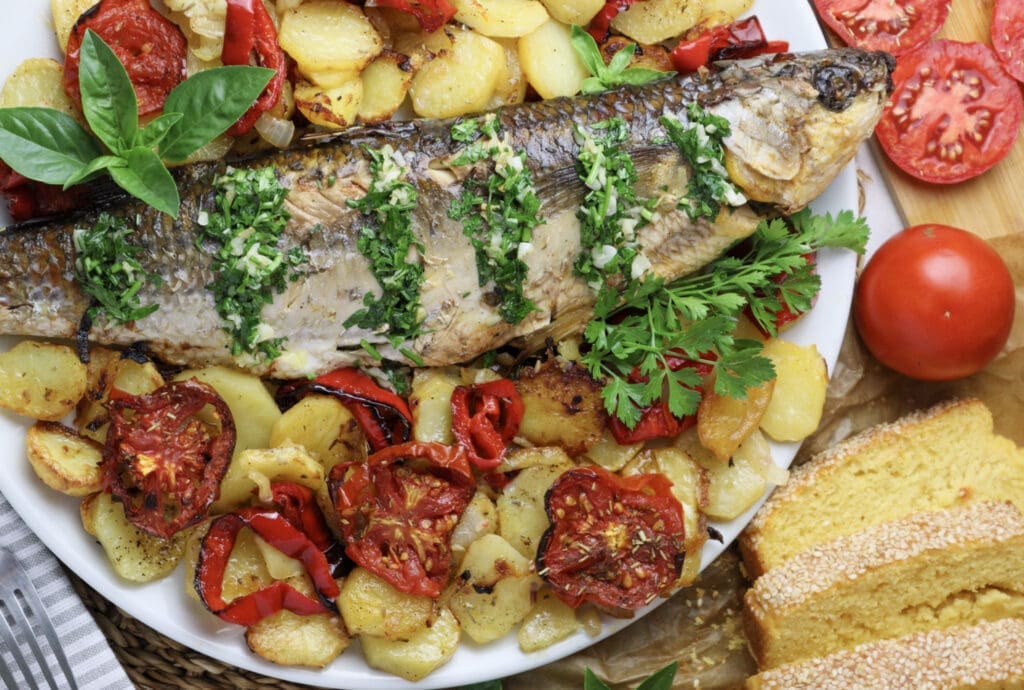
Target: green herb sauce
[108, 271]
[387, 241]
[246, 225]
[498, 214]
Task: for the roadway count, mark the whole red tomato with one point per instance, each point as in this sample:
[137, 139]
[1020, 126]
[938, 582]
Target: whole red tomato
[935, 303]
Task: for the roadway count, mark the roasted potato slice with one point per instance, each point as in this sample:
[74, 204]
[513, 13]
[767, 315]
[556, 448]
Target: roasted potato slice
[65, 13]
[251, 405]
[293, 640]
[334, 108]
[38, 82]
[549, 61]
[460, 79]
[653, 21]
[386, 81]
[798, 400]
[573, 11]
[563, 406]
[41, 380]
[431, 403]
[371, 606]
[65, 461]
[521, 513]
[322, 426]
[501, 18]
[329, 36]
[479, 518]
[251, 472]
[547, 622]
[723, 423]
[413, 659]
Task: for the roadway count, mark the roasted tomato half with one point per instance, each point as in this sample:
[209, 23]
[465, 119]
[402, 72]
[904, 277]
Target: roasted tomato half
[616, 542]
[397, 511]
[166, 454]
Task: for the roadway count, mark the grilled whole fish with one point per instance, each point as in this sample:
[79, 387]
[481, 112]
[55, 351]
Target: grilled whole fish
[796, 121]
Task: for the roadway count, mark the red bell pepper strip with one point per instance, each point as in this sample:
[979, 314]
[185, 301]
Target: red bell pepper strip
[485, 417]
[431, 14]
[383, 416]
[656, 420]
[741, 39]
[279, 532]
[250, 37]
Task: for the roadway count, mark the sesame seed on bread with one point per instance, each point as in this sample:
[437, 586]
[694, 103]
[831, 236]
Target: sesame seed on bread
[926, 571]
[986, 655]
[938, 458]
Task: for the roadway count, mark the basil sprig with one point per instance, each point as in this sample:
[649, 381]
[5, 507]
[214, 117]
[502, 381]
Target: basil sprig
[50, 146]
[617, 72]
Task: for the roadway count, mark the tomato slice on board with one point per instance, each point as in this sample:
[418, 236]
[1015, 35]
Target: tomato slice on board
[1008, 35]
[397, 510]
[151, 48]
[953, 114]
[616, 542]
[162, 459]
[895, 26]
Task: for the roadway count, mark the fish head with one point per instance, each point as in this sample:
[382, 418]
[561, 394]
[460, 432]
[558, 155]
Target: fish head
[796, 120]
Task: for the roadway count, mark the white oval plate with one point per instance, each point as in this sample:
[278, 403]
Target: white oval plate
[165, 607]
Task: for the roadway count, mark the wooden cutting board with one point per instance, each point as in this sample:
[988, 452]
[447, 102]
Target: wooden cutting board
[991, 205]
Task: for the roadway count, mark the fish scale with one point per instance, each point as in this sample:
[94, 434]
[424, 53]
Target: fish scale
[796, 121]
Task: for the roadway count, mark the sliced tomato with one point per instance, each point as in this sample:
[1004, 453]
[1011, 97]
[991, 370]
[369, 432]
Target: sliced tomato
[1008, 35]
[151, 48]
[397, 511]
[616, 542]
[163, 459]
[895, 26]
[953, 114]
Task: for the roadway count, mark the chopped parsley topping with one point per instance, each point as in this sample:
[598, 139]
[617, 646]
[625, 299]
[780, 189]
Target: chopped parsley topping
[610, 214]
[498, 214]
[247, 224]
[699, 139]
[694, 317]
[388, 242]
[108, 271]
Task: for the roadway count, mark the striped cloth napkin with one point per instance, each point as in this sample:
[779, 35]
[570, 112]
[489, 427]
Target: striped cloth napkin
[94, 664]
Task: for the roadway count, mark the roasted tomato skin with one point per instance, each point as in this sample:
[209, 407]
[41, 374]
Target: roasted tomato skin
[397, 510]
[954, 112]
[895, 26]
[161, 460]
[935, 303]
[151, 48]
[615, 542]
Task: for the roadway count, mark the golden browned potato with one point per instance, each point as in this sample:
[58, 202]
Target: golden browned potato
[653, 21]
[413, 659]
[458, 80]
[251, 472]
[64, 460]
[521, 515]
[728, 8]
[646, 56]
[293, 640]
[107, 371]
[329, 36]
[609, 454]
[500, 18]
[371, 606]
[135, 555]
[549, 61]
[65, 13]
[479, 518]
[563, 406]
[38, 82]
[322, 426]
[251, 405]
[511, 86]
[573, 11]
[548, 621]
[798, 400]
[386, 81]
[431, 403]
[334, 108]
[41, 380]
[723, 423]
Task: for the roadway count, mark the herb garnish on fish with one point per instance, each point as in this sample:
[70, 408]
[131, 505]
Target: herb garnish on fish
[610, 213]
[387, 241]
[695, 317]
[700, 141]
[246, 225]
[617, 72]
[108, 271]
[498, 214]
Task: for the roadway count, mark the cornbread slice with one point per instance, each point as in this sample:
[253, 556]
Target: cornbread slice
[987, 655]
[934, 459]
[926, 571]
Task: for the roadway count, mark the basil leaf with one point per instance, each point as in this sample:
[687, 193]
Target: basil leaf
[94, 166]
[108, 97]
[592, 682]
[620, 61]
[146, 177]
[43, 144]
[592, 85]
[660, 679]
[586, 48]
[155, 131]
[210, 101]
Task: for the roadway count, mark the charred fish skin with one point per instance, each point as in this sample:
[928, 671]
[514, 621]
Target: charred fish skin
[796, 121]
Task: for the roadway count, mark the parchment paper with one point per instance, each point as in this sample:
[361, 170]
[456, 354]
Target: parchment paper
[700, 626]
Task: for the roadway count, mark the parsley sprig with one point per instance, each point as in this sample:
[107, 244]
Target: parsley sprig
[695, 317]
[699, 139]
[387, 240]
[246, 227]
[498, 214]
[108, 271]
[617, 72]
